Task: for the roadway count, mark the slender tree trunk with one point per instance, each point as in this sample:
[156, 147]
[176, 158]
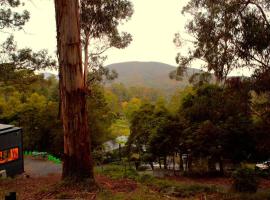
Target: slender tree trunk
[120, 154]
[190, 160]
[77, 160]
[221, 166]
[152, 165]
[165, 162]
[211, 165]
[181, 167]
[174, 163]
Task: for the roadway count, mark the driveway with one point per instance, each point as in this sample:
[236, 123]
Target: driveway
[38, 168]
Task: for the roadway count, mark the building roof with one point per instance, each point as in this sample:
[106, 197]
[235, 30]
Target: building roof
[4, 127]
[7, 128]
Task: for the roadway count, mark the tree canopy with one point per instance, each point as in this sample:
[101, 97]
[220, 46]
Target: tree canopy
[227, 35]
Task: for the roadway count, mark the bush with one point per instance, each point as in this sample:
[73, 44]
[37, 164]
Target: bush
[263, 173]
[245, 180]
[131, 174]
[142, 168]
[146, 178]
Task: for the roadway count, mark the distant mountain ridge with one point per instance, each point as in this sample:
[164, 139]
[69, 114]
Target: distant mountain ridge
[150, 74]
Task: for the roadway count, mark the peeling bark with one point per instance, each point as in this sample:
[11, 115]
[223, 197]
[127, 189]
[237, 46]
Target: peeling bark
[77, 160]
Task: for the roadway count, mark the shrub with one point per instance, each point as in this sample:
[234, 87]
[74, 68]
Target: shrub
[245, 180]
[142, 168]
[263, 173]
[146, 178]
[131, 174]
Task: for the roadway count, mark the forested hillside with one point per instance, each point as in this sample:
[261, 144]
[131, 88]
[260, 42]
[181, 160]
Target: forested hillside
[151, 75]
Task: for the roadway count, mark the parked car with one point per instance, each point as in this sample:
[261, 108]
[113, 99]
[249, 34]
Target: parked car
[263, 166]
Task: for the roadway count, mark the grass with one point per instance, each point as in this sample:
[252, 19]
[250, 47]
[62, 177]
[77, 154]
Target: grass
[171, 188]
[45, 156]
[117, 172]
[141, 193]
[163, 186]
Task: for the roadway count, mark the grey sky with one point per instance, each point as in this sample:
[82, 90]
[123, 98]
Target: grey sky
[152, 26]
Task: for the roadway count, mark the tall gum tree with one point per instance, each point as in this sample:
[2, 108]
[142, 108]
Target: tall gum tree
[77, 161]
[226, 35]
[100, 20]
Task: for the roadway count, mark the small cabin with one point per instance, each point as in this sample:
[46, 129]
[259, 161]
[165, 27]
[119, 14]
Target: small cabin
[11, 150]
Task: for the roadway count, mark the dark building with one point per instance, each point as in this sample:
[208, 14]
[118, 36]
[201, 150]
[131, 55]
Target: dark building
[11, 150]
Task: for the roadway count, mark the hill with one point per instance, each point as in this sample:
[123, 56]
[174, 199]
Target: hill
[150, 74]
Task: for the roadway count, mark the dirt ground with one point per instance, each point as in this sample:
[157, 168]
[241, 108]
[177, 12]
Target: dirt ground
[44, 182]
[50, 187]
[264, 184]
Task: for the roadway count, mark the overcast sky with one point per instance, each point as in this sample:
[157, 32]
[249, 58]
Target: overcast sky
[152, 26]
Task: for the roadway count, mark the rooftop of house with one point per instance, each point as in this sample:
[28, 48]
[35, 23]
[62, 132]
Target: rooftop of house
[7, 128]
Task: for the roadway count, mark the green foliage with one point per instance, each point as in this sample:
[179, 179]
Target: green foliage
[36, 115]
[21, 61]
[176, 100]
[100, 116]
[118, 172]
[35, 107]
[260, 107]
[54, 159]
[100, 22]
[142, 126]
[113, 101]
[130, 107]
[126, 93]
[245, 180]
[101, 18]
[146, 178]
[44, 155]
[154, 133]
[142, 192]
[227, 35]
[120, 91]
[120, 128]
[165, 186]
[10, 17]
[207, 125]
[216, 126]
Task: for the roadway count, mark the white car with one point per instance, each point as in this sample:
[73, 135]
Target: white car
[263, 166]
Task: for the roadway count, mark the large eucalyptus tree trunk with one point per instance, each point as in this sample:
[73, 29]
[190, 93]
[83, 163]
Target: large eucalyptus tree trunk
[77, 161]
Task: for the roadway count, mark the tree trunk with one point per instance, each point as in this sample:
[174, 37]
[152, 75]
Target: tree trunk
[120, 154]
[152, 165]
[211, 165]
[221, 166]
[189, 167]
[77, 160]
[174, 163]
[181, 167]
[86, 56]
[165, 162]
